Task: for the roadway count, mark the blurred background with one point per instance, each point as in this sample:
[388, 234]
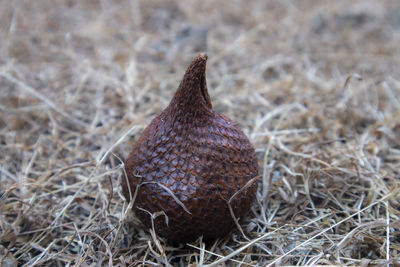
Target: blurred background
[135, 46]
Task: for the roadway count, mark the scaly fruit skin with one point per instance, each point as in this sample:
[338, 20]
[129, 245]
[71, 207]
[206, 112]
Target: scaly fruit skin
[201, 156]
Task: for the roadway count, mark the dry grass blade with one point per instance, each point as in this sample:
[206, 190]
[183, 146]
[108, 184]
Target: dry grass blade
[328, 229]
[202, 251]
[236, 252]
[169, 191]
[120, 139]
[43, 98]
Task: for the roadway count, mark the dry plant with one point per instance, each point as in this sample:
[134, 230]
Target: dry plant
[314, 84]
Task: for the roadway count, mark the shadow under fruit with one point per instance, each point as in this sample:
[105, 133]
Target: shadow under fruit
[189, 165]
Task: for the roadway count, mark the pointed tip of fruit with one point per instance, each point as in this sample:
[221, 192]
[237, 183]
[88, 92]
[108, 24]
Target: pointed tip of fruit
[192, 94]
[201, 57]
[198, 64]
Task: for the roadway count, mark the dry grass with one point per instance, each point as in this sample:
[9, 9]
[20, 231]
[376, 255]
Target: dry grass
[314, 84]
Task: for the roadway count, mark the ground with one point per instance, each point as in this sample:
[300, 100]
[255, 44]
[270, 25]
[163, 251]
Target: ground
[314, 84]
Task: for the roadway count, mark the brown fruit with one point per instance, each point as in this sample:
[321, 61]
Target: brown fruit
[187, 165]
